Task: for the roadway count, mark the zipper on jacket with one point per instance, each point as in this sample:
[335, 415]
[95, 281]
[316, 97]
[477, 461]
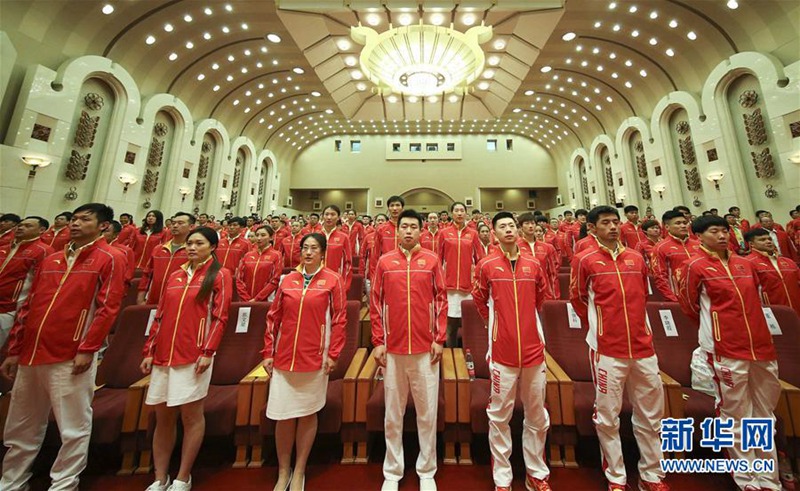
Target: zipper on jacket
[744, 311]
[177, 319]
[144, 250]
[49, 307]
[777, 266]
[516, 311]
[255, 272]
[408, 299]
[458, 259]
[166, 276]
[297, 328]
[624, 307]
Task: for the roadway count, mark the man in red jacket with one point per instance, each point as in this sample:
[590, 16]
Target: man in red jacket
[630, 230]
[778, 276]
[232, 249]
[313, 225]
[408, 294]
[58, 235]
[458, 253]
[290, 245]
[18, 263]
[387, 236]
[165, 260]
[367, 262]
[431, 236]
[783, 244]
[338, 255]
[74, 299]
[354, 230]
[8, 222]
[608, 289]
[111, 234]
[507, 284]
[128, 234]
[672, 253]
[721, 291]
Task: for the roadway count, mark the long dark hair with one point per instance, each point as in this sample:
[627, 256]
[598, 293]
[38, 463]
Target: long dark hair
[211, 275]
[157, 227]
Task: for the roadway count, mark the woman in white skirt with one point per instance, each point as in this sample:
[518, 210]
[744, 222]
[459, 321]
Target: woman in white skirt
[179, 352]
[305, 335]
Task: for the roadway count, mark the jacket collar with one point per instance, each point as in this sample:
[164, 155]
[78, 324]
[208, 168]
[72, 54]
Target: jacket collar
[408, 254]
[726, 256]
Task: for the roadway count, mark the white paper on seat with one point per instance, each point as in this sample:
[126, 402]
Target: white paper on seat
[150, 322]
[772, 322]
[574, 320]
[243, 321]
[670, 329]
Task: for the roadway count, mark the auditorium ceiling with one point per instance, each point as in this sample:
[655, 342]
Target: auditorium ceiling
[286, 73]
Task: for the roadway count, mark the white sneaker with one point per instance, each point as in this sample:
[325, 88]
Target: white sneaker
[157, 486]
[180, 485]
[427, 484]
[390, 485]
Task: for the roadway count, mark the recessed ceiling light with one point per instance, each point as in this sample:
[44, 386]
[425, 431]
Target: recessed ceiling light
[616, 27]
[628, 85]
[247, 52]
[488, 73]
[173, 56]
[483, 85]
[187, 18]
[226, 29]
[453, 98]
[691, 35]
[228, 7]
[273, 38]
[670, 52]
[208, 11]
[215, 66]
[615, 75]
[568, 61]
[612, 5]
[628, 63]
[357, 75]
[653, 41]
[108, 9]
[189, 45]
[599, 68]
[244, 69]
[216, 88]
[361, 86]
[231, 57]
[595, 50]
[433, 100]
[654, 15]
[584, 63]
[405, 19]
[200, 76]
[468, 19]
[635, 33]
[206, 36]
[413, 100]
[633, 9]
[545, 68]
[437, 19]
[673, 23]
[298, 70]
[494, 60]
[168, 27]
[343, 44]
[373, 19]
[245, 26]
[150, 40]
[569, 36]
[733, 4]
[229, 78]
[499, 44]
[529, 92]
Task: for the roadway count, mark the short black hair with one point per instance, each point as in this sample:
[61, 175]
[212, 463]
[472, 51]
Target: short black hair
[701, 224]
[476, 212]
[594, 215]
[456, 203]
[384, 215]
[43, 223]
[395, 199]
[670, 214]
[268, 228]
[103, 212]
[130, 217]
[10, 217]
[191, 217]
[68, 215]
[568, 212]
[582, 212]
[203, 215]
[526, 217]
[630, 208]
[410, 213]
[728, 215]
[712, 210]
[755, 232]
[313, 215]
[334, 208]
[683, 209]
[500, 215]
[320, 238]
[541, 218]
[115, 227]
[760, 212]
[730, 210]
[238, 220]
[649, 224]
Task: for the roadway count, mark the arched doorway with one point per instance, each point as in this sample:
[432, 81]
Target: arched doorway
[427, 199]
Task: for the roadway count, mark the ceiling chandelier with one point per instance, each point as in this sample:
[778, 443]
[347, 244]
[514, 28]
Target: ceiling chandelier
[422, 60]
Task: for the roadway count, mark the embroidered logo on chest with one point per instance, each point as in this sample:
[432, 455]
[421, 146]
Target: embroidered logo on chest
[526, 269]
[322, 282]
[421, 263]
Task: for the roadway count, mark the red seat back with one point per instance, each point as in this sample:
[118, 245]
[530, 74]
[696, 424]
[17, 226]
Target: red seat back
[674, 352]
[563, 283]
[787, 344]
[475, 337]
[655, 295]
[239, 353]
[356, 290]
[567, 345]
[350, 340]
[120, 366]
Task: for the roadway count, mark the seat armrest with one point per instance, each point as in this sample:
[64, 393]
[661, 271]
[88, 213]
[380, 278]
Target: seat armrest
[673, 396]
[553, 398]
[789, 408]
[464, 389]
[450, 386]
[365, 383]
[349, 385]
[565, 390]
[259, 395]
[133, 404]
[244, 397]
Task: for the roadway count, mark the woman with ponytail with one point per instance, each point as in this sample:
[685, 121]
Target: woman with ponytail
[179, 352]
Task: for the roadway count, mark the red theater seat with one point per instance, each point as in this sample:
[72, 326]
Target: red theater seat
[356, 291]
[563, 283]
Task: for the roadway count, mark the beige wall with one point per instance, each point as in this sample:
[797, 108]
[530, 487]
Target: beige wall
[517, 199]
[302, 200]
[527, 166]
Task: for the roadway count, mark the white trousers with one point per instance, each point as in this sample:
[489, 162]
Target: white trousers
[415, 374]
[640, 377]
[37, 390]
[747, 389]
[6, 323]
[531, 383]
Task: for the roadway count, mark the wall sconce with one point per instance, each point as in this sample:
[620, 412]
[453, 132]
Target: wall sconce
[622, 197]
[660, 188]
[252, 206]
[34, 163]
[594, 202]
[224, 199]
[795, 158]
[126, 180]
[184, 191]
[715, 177]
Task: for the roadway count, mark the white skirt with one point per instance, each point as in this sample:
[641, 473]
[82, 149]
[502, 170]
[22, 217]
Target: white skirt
[177, 385]
[454, 299]
[296, 394]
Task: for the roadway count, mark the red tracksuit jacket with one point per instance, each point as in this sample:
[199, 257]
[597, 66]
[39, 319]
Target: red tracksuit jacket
[483, 251]
[779, 279]
[130, 259]
[17, 270]
[355, 233]
[668, 257]
[290, 249]
[185, 328]
[127, 236]
[549, 260]
[588, 242]
[385, 240]
[430, 240]
[70, 308]
[231, 251]
[162, 263]
[143, 245]
[457, 251]
[609, 293]
[338, 255]
[408, 302]
[508, 300]
[258, 274]
[304, 323]
[631, 235]
[723, 296]
[56, 240]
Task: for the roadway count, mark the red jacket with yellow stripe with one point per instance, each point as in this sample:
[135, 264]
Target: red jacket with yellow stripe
[723, 296]
[306, 324]
[508, 300]
[549, 260]
[57, 240]
[231, 251]
[17, 269]
[458, 253]
[185, 328]
[608, 292]
[408, 302]
[161, 264]
[70, 308]
[258, 274]
[779, 278]
[667, 258]
[338, 255]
